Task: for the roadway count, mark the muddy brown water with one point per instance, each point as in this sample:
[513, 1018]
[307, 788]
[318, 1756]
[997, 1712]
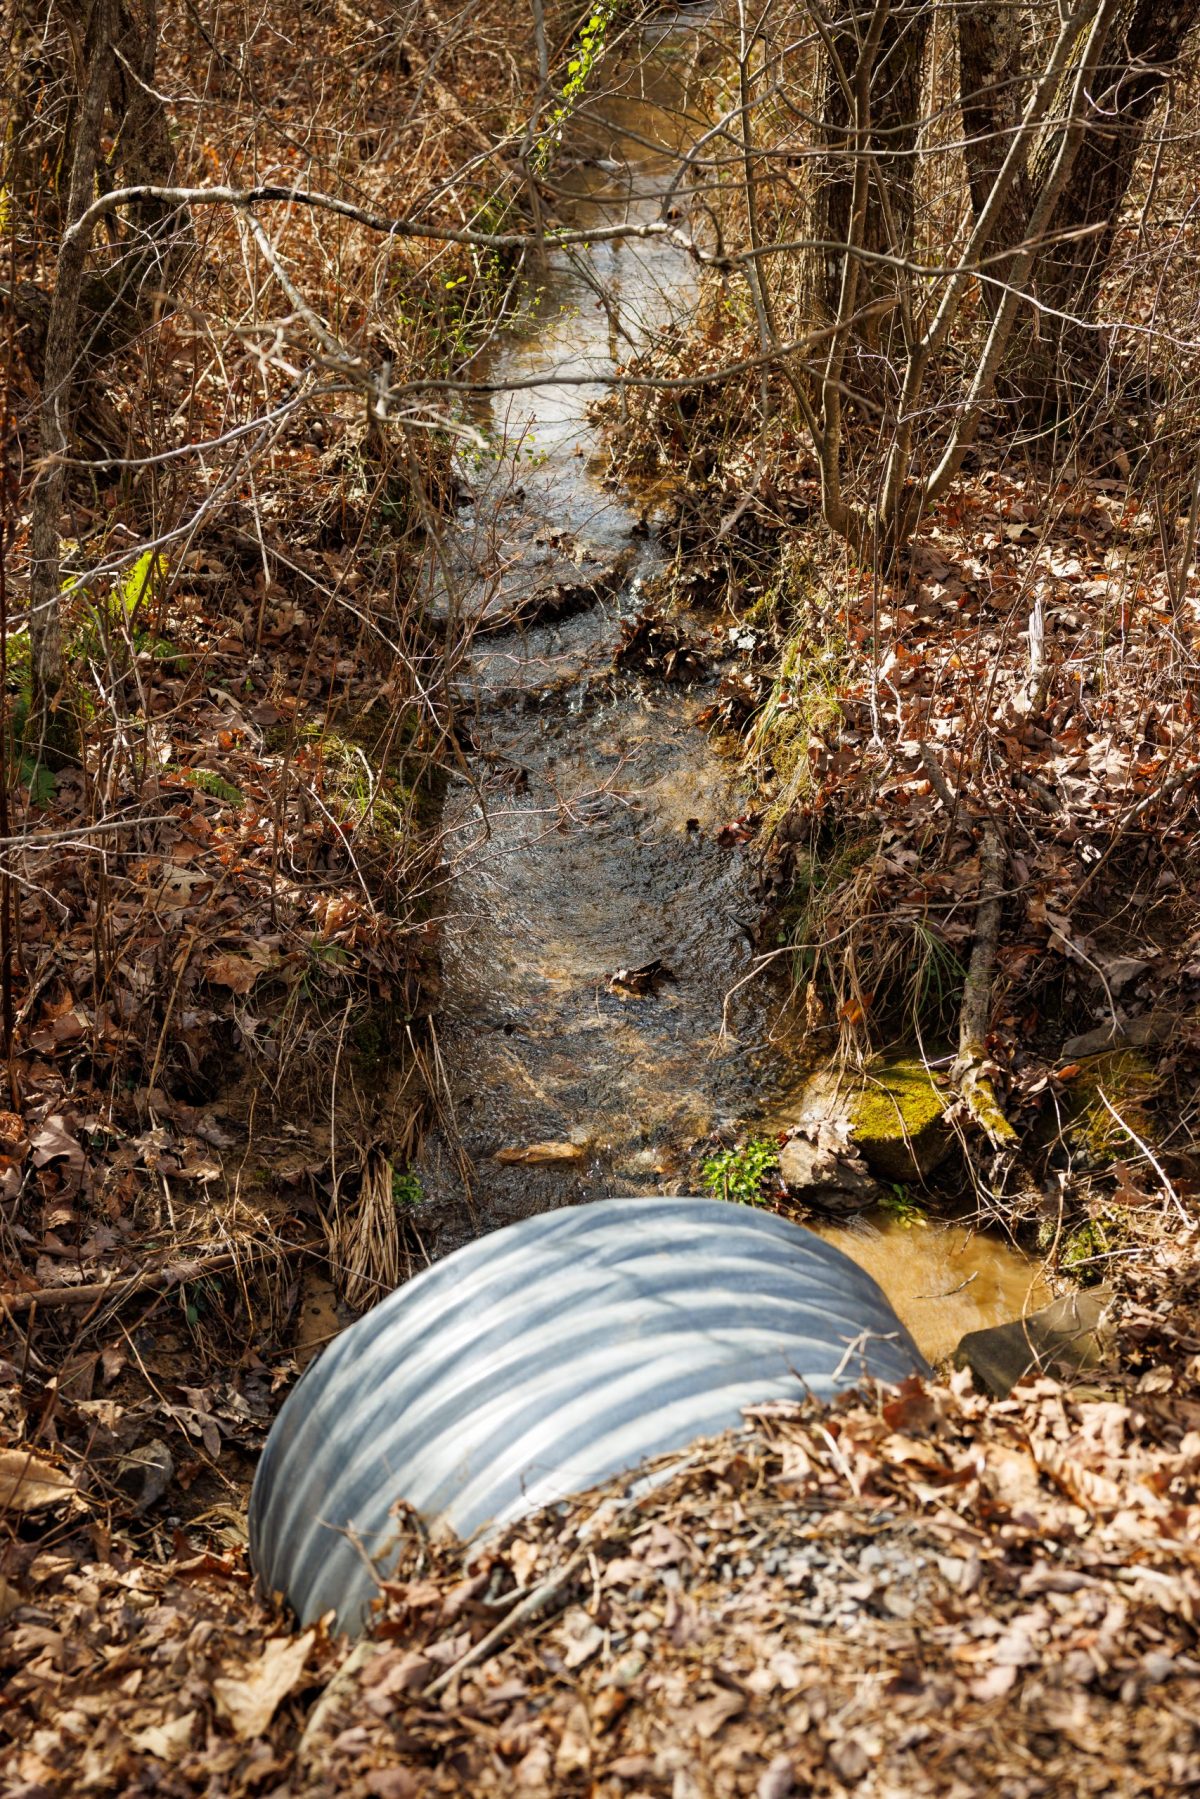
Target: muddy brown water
[586, 840]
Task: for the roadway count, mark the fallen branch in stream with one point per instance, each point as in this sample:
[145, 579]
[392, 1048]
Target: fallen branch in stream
[970, 1065]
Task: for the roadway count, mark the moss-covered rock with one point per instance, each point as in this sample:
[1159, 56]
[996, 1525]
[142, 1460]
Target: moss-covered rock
[1126, 1079]
[897, 1123]
[893, 1116]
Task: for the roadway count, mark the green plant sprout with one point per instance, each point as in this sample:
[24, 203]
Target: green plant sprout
[123, 606]
[579, 72]
[215, 785]
[740, 1175]
[144, 577]
[903, 1209]
[407, 1191]
[86, 638]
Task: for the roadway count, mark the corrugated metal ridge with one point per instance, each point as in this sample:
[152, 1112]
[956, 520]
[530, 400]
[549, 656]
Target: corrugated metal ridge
[543, 1358]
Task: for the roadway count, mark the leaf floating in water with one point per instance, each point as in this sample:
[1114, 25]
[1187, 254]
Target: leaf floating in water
[640, 980]
[531, 1153]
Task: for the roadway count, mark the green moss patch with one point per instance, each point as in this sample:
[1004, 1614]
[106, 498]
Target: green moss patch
[1126, 1079]
[897, 1122]
[892, 1117]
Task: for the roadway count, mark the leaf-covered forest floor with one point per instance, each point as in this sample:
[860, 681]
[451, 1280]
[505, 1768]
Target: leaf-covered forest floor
[1028, 675]
[219, 919]
[222, 922]
[911, 1592]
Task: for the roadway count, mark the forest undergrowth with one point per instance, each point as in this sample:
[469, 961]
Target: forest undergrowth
[219, 894]
[216, 913]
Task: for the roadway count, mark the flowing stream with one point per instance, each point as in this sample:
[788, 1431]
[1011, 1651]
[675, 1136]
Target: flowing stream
[587, 843]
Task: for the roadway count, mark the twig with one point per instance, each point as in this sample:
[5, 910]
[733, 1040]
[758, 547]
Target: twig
[974, 1085]
[533, 1602]
[366, 1651]
[1150, 1156]
[274, 194]
[938, 781]
[154, 1280]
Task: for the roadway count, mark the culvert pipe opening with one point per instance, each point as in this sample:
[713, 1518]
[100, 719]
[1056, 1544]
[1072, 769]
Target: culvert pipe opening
[541, 1360]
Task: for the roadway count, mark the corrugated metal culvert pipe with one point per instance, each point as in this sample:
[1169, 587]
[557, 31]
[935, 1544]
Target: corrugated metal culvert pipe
[544, 1358]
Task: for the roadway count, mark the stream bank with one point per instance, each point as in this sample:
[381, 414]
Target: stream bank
[973, 795]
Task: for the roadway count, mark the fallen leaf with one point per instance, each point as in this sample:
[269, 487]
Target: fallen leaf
[199, 1167]
[607, 1707]
[532, 1773]
[1094, 1491]
[58, 1032]
[778, 1780]
[145, 1473]
[641, 980]
[29, 1485]
[53, 1141]
[575, 1747]
[850, 1757]
[582, 1636]
[12, 1134]
[392, 1783]
[711, 1715]
[167, 1742]
[237, 973]
[995, 1683]
[249, 1700]
[524, 1558]
[1013, 1477]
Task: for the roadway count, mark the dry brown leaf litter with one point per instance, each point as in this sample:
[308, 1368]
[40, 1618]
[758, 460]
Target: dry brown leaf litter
[910, 1592]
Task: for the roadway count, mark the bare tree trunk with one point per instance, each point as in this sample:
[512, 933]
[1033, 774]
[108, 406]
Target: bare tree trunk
[833, 169]
[890, 54]
[143, 148]
[873, 69]
[1054, 350]
[53, 734]
[45, 93]
[994, 81]
[896, 119]
[1139, 54]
